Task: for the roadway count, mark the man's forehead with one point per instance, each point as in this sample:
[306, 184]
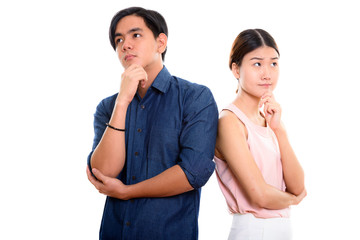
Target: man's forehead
[130, 22]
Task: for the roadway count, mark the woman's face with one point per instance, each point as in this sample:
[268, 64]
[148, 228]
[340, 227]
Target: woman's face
[259, 71]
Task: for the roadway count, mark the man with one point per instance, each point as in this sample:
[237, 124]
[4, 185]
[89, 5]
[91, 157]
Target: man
[154, 140]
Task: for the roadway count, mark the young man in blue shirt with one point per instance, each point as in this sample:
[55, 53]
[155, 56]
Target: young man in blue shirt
[154, 139]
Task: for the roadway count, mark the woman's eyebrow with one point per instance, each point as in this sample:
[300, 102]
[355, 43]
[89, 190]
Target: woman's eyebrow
[259, 58]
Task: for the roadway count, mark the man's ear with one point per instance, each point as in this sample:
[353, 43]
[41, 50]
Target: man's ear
[162, 42]
[235, 70]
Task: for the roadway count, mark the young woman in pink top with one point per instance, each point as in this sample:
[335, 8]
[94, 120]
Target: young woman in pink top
[257, 169]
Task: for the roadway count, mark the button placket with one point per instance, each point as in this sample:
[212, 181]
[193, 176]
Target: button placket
[138, 129]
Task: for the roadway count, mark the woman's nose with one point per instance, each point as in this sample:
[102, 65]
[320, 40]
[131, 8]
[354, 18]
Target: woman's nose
[266, 73]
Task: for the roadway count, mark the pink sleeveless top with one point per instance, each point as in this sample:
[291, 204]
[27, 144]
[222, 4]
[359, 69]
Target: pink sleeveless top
[264, 148]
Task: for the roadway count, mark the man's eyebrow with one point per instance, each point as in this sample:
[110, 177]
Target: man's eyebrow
[137, 29]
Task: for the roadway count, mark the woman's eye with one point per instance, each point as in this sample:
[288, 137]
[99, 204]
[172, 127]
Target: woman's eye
[257, 64]
[274, 64]
[119, 40]
[137, 35]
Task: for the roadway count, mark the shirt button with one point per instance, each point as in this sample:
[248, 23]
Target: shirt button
[132, 200]
[136, 153]
[142, 106]
[127, 223]
[139, 130]
[133, 177]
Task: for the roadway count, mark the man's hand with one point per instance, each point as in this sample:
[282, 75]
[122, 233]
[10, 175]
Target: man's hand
[133, 77]
[111, 187]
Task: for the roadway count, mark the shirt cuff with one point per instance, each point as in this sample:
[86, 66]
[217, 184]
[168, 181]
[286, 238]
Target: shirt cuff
[200, 174]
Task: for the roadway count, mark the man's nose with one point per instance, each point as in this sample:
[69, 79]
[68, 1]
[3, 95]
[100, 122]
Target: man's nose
[126, 45]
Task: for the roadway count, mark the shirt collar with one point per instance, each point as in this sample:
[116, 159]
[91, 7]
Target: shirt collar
[162, 80]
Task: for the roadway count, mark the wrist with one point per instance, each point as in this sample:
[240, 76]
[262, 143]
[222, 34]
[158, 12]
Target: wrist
[293, 199]
[125, 193]
[122, 103]
[280, 130]
[120, 107]
[118, 116]
[132, 191]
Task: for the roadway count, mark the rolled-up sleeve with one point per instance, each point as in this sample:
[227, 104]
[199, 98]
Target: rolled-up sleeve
[198, 136]
[101, 117]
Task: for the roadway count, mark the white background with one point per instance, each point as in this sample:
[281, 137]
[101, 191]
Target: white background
[56, 64]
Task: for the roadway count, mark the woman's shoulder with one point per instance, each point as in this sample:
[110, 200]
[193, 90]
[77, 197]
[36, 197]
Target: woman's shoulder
[227, 115]
[230, 125]
[231, 132]
[228, 118]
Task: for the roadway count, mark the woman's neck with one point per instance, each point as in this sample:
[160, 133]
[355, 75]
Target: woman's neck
[249, 105]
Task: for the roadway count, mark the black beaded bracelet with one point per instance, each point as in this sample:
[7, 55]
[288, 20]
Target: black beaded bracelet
[117, 129]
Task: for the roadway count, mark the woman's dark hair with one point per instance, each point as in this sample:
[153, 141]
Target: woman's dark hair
[248, 41]
[153, 20]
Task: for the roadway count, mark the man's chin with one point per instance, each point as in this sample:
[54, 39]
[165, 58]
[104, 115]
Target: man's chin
[129, 63]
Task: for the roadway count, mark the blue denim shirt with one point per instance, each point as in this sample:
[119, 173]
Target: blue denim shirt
[175, 123]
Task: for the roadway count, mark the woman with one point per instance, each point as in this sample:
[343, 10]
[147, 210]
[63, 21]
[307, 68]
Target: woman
[257, 169]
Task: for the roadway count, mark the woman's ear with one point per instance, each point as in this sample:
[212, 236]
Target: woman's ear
[162, 42]
[235, 70]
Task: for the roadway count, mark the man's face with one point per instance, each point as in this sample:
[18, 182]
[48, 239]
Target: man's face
[135, 42]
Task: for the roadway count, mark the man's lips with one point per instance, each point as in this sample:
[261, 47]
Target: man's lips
[129, 57]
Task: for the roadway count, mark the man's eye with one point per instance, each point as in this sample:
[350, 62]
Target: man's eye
[137, 35]
[274, 64]
[257, 64]
[119, 40]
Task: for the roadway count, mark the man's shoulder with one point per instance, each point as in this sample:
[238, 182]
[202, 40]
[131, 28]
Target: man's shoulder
[194, 95]
[190, 87]
[108, 102]
[110, 99]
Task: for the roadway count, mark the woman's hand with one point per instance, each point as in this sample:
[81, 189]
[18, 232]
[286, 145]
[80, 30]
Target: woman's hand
[300, 197]
[272, 111]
